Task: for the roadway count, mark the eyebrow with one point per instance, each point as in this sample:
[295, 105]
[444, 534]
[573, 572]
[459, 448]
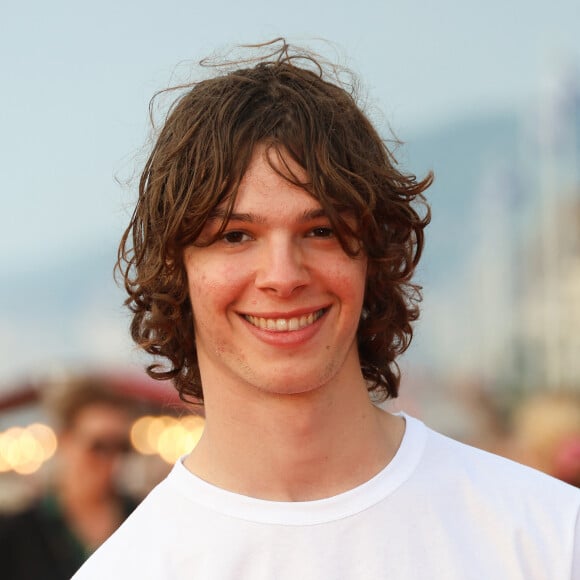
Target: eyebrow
[220, 213]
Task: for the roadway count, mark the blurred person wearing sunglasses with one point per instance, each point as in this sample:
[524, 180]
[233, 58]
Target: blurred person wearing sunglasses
[53, 537]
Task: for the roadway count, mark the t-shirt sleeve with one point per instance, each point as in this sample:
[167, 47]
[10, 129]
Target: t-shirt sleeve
[576, 550]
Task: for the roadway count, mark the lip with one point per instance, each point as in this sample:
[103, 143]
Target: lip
[284, 323]
[290, 337]
[296, 313]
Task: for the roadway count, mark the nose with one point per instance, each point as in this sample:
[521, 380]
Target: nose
[282, 269]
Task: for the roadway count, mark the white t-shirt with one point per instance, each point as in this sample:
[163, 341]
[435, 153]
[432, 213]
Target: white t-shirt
[440, 510]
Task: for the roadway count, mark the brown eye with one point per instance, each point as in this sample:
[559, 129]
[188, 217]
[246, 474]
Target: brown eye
[235, 237]
[321, 232]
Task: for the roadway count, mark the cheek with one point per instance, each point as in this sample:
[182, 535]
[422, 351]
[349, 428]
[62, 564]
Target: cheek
[349, 280]
[214, 288]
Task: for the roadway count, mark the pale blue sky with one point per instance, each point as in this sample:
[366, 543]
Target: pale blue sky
[77, 77]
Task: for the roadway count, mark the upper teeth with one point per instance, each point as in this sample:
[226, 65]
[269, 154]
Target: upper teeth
[284, 324]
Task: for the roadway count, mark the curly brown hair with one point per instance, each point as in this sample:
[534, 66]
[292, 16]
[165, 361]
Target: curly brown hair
[294, 102]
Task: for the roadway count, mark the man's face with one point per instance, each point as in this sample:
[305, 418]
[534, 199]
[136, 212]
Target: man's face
[93, 445]
[276, 300]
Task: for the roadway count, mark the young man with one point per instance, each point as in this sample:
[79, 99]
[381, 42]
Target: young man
[269, 263]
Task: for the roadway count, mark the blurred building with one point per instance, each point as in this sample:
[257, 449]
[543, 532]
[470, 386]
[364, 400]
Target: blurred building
[525, 268]
[551, 287]
[551, 304]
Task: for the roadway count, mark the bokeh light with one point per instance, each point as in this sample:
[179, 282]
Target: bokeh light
[24, 449]
[168, 437]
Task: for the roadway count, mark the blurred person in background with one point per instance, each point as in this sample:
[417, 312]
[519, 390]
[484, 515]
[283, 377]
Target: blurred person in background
[546, 434]
[52, 538]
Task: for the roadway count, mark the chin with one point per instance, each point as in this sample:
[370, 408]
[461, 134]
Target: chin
[288, 383]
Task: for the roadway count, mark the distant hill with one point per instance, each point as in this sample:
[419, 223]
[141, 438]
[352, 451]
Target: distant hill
[459, 154]
[68, 313]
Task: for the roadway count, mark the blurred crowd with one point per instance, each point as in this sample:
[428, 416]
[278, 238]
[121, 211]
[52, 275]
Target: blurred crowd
[58, 513]
[113, 444]
[546, 434]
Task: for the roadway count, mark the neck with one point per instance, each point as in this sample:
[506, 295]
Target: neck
[295, 447]
[91, 516]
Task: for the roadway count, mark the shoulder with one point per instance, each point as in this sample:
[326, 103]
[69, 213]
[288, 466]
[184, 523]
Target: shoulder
[481, 499]
[453, 453]
[494, 480]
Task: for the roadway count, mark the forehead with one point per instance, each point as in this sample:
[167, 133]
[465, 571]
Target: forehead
[272, 183]
[102, 418]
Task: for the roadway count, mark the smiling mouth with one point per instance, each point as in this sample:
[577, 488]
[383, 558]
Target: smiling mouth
[284, 324]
